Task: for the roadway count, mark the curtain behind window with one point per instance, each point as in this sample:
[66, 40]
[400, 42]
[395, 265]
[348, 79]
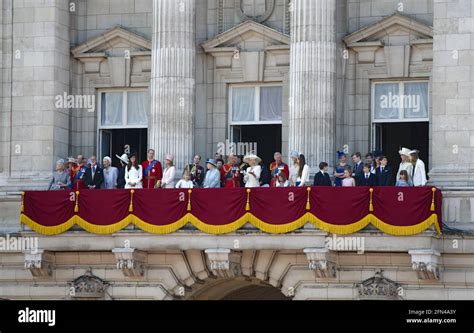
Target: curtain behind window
[138, 105]
[418, 93]
[111, 109]
[383, 94]
[243, 104]
[270, 103]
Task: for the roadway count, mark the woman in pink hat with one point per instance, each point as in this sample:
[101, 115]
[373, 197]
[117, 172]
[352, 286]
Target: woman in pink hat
[168, 174]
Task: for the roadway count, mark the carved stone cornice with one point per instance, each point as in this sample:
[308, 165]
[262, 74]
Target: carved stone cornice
[224, 263]
[322, 261]
[39, 263]
[425, 263]
[130, 261]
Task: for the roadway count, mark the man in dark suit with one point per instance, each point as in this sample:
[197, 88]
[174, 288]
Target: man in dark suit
[368, 178]
[93, 177]
[357, 168]
[383, 174]
[321, 178]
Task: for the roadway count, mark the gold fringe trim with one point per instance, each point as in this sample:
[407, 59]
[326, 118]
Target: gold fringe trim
[160, 229]
[47, 230]
[219, 229]
[22, 208]
[279, 228]
[339, 229]
[406, 230]
[233, 226]
[308, 206]
[103, 229]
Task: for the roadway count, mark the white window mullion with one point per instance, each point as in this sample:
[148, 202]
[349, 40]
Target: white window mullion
[257, 103]
[124, 108]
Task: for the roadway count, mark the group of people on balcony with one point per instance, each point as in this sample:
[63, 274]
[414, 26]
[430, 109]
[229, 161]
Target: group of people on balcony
[239, 171]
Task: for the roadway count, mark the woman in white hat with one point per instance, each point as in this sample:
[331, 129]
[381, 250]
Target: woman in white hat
[252, 174]
[405, 163]
[168, 174]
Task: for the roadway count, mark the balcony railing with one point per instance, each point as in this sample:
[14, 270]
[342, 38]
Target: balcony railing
[393, 210]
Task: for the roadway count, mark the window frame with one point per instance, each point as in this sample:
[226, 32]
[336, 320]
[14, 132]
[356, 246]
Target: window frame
[257, 88]
[401, 91]
[124, 108]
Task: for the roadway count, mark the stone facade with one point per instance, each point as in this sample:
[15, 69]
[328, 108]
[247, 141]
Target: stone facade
[325, 54]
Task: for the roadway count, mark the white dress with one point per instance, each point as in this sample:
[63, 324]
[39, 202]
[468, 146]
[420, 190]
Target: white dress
[251, 180]
[304, 179]
[133, 176]
[184, 184]
[419, 177]
[168, 177]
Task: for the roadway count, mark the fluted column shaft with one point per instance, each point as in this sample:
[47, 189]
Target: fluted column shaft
[312, 80]
[172, 87]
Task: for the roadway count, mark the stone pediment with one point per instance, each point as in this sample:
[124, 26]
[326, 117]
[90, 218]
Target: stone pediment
[117, 38]
[117, 58]
[247, 36]
[394, 25]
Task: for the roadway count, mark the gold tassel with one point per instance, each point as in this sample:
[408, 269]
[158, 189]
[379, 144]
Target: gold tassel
[433, 189]
[189, 200]
[308, 206]
[22, 208]
[76, 207]
[371, 206]
[247, 205]
[130, 208]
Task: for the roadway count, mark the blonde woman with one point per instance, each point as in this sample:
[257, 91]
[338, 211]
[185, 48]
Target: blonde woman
[253, 172]
[168, 174]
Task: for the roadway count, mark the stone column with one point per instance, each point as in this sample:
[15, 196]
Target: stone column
[452, 119]
[39, 73]
[312, 80]
[171, 125]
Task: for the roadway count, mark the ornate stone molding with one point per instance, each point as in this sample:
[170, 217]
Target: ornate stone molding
[88, 286]
[224, 262]
[322, 261]
[379, 287]
[130, 261]
[269, 6]
[425, 263]
[39, 263]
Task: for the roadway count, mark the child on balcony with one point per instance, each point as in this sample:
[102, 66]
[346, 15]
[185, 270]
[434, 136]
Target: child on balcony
[348, 181]
[186, 181]
[403, 179]
[281, 180]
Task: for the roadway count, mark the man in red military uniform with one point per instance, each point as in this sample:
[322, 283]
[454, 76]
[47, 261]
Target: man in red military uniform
[77, 173]
[231, 173]
[152, 171]
[277, 167]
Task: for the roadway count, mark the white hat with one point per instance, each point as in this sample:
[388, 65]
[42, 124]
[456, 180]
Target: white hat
[414, 151]
[123, 158]
[404, 151]
[169, 157]
[252, 157]
[71, 160]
